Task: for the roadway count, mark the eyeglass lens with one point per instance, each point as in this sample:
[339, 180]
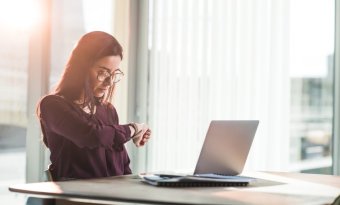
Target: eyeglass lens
[114, 77]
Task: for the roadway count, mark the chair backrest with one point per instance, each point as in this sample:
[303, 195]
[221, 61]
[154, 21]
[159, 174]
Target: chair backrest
[48, 175]
[336, 201]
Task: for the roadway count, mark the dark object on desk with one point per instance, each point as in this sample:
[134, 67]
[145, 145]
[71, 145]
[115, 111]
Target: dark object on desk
[195, 181]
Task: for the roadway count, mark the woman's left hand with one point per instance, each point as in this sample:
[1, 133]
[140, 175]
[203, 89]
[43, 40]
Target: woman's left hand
[143, 135]
[145, 138]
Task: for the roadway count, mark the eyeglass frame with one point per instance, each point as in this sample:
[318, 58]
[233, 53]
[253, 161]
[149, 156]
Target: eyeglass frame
[110, 75]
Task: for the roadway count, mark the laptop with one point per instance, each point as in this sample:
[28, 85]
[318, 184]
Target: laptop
[226, 147]
[223, 155]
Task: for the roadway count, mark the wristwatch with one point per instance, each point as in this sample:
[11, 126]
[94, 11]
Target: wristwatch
[134, 126]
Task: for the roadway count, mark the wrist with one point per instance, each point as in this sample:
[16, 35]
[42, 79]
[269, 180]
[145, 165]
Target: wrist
[135, 129]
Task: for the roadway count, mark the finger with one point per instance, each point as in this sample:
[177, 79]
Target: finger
[143, 132]
[144, 142]
[147, 133]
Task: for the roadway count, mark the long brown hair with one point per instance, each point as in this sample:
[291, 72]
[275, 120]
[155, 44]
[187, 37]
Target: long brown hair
[75, 79]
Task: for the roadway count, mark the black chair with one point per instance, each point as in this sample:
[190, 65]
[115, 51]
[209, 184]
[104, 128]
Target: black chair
[336, 201]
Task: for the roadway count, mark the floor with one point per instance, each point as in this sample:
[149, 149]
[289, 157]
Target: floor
[12, 171]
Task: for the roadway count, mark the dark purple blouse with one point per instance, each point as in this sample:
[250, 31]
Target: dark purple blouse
[83, 146]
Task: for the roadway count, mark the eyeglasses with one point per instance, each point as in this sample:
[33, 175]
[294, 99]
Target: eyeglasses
[115, 77]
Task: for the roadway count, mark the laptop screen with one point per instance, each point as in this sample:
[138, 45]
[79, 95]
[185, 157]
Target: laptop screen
[226, 147]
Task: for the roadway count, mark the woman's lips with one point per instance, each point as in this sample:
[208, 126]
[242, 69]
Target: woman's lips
[103, 89]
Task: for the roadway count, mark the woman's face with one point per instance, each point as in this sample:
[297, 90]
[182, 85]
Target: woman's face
[102, 74]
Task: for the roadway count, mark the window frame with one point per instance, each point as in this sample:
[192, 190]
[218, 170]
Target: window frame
[336, 90]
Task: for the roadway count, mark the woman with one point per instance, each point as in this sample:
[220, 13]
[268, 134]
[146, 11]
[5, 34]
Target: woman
[79, 124]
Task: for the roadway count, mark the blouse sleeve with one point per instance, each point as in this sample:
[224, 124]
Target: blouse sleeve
[59, 117]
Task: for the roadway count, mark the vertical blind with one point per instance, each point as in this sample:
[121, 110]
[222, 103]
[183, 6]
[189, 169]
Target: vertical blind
[217, 60]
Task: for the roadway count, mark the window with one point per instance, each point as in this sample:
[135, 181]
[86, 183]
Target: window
[14, 53]
[311, 71]
[70, 20]
[241, 60]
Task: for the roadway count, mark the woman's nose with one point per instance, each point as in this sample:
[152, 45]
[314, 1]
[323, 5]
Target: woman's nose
[108, 81]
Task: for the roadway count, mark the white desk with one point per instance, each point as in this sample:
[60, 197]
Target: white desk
[272, 188]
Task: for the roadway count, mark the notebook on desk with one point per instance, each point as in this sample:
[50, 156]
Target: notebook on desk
[222, 158]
